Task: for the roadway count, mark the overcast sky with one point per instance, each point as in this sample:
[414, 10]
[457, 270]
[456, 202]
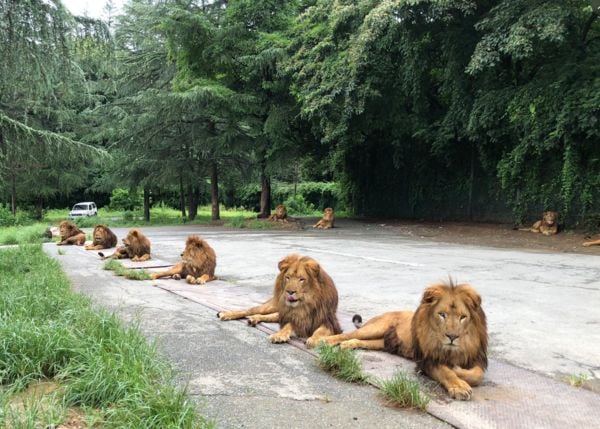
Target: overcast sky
[93, 8]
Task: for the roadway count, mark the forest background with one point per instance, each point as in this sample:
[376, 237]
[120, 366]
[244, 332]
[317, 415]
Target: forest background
[437, 109]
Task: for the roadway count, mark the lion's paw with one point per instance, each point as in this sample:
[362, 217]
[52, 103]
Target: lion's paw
[252, 321]
[314, 342]
[154, 276]
[176, 276]
[461, 390]
[278, 337]
[190, 279]
[224, 315]
[350, 344]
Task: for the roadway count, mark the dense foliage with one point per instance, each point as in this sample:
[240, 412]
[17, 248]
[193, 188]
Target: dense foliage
[441, 109]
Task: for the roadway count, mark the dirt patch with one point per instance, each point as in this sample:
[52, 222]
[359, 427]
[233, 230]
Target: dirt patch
[485, 234]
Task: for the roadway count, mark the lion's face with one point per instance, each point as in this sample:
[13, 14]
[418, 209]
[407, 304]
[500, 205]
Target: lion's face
[328, 213]
[280, 210]
[299, 280]
[100, 233]
[550, 218]
[195, 253]
[450, 322]
[66, 228]
[131, 239]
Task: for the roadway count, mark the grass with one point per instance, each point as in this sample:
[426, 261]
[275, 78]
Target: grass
[341, 363]
[104, 371]
[22, 234]
[403, 392]
[577, 380]
[131, 274]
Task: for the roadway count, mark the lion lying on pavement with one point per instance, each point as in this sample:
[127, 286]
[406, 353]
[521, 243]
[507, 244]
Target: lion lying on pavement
[70, 234]
[136, 246]
[304, 303]
[198, 263]
[327, 220]
[446, 336]
[103, 238]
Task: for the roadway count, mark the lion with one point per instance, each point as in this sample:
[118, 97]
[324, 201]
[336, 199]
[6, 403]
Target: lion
[280, 214]
[327, 221]
[304, 302]
[592, 243]
[136, 246]
[70, 234]
[446, 336]
[547, 226]
[103, 238]
[198, 263]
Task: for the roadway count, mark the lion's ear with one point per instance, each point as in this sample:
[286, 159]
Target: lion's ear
[313, 267]
[431, 295]
[285, 263]
[134, 232]
[473, 299]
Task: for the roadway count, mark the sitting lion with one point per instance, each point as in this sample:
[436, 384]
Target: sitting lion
[103, 238]
[304, 303]
[547, 226]
[70, 234]
[280, 214]
[446, 336]
[327, 220]
[198, 263]
[136, 246]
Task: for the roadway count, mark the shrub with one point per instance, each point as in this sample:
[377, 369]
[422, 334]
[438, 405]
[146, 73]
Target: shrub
[123, 199]
[297, 205]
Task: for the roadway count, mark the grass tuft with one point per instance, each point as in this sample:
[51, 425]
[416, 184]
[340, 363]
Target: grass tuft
[577, 380]
[403, 392]
[341, 363]
[131, 274]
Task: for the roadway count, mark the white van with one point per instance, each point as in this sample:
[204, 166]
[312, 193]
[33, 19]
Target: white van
[83, 209]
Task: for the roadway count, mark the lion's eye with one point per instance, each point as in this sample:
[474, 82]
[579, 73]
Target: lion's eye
[442, 315]
[302, 280]
[462, 318]
[287, 278]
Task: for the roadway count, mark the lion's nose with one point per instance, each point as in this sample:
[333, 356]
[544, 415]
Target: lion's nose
[452, 337]
[290, 292]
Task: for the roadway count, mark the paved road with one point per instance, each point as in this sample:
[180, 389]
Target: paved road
[532, 300]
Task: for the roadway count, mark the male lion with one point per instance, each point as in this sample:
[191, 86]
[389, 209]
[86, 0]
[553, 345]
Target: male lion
[547, 226]
[104, 238]
[198, 263]
[135, 246]
[327, 220]
[70, 234]
[592, 243]
[446, 336]
[280, 214]
[304, 303]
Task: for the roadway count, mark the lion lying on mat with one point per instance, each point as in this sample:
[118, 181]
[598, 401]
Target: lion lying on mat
[446, 336]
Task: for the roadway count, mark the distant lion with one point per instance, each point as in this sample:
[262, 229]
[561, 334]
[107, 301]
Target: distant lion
[136, 246]
[198, 263]
[327, 220]
[547, 226]
[103, 238]
[592, 243]
[280, 214]
[70, 234]
[304, 303]
[446, 336]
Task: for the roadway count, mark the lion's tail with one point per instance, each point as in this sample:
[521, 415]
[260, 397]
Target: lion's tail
[357, 320]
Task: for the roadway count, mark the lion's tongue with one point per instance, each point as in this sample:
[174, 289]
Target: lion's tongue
[291, 298]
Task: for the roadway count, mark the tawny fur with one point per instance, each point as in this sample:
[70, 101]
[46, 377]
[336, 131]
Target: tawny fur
[280, 214]
[136, 246]
[592, 243]
[547, 226]
[327, 220]
[103, 238]
[198, 263]
[70, 234]
[446, 336]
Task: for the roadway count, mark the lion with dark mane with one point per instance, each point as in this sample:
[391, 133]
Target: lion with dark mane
[136, 246]
[103, 238]
[304, 302]
[327, 220]
[198, 263]
[446, 336]
[280, 214]
[70, 234]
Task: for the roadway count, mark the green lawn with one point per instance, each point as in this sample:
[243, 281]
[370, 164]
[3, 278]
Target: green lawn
[99, 370]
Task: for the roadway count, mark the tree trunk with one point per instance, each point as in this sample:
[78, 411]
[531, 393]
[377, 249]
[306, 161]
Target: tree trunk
[471, 184]
[146, 205]
[214, 192]
[193, 202]
[265, 192]
[39, 208]
[13, 194]
[181, 197]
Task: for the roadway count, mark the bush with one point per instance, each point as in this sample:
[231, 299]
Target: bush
[123, 200]
[296, 205]
[7, 218]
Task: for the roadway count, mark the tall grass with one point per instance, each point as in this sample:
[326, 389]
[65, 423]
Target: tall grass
[48, 332]
[22, 234]
[403, 392]
[341, 363]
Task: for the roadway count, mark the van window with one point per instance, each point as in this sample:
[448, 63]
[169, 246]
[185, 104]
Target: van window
[80, 207]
